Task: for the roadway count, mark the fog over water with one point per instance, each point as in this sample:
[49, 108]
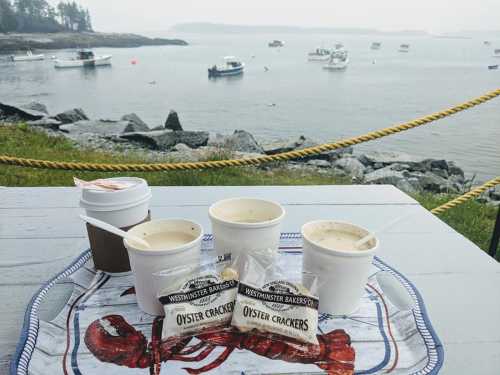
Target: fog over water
[432, 15]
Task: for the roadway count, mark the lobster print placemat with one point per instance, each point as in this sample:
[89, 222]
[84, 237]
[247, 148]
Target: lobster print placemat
[102, 331]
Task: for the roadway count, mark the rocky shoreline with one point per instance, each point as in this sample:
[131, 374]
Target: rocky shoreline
[10, 43]
[409, 173]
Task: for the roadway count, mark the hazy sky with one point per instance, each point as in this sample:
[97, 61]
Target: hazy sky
[431, 15]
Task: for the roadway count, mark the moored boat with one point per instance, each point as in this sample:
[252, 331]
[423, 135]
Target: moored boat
[231, 67]
[28, 57]
[319, 54]
[493, 67]
[496, 52]
[376, 45]
[84, 59]
[339, 59]
[404, 48]
[487, 43]
[276, 43]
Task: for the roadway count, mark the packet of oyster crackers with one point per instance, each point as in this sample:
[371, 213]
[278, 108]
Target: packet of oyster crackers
[200, 297]
[270, 302]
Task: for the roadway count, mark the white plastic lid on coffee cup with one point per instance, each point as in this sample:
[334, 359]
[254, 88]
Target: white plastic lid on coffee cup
[119, 207]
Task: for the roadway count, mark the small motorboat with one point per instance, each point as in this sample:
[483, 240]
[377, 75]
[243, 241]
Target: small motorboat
[339, 59]
[487, 43]
[496, 52]
[493, 67]
[376, 45]
[231, 67]
[28, 57]
[84, 59]
[319, 54]
[404, 48]
[276, 43]
[338, 45]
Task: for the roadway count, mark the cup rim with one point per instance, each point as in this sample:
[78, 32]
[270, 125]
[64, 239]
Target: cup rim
[183, 247]
[261, 224]
[345, 253]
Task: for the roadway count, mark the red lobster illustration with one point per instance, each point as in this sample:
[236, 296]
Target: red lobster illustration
[111, 339]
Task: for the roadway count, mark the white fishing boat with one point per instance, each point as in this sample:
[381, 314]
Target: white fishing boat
[84, 59]
[404, 48]
[276, 43]
[339, 59]
[319, 54]
[496, 52]
[231, 67]
[28, 57]
[376, 45]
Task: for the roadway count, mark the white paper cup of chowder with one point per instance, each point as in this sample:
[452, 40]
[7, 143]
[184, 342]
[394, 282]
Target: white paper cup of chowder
[242, 225]
[121, 208]
[343, 270]
[173, 242]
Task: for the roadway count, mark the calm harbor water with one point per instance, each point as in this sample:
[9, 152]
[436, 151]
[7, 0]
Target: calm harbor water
[294, 97]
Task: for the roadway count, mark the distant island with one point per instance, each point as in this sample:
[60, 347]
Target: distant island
[35, 24]
[10, 43]
[219, 28]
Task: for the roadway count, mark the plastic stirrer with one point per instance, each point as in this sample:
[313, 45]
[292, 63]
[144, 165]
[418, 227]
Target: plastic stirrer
[112, 229]
[372, 235]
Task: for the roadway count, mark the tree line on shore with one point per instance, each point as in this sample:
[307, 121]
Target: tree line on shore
[40, 16]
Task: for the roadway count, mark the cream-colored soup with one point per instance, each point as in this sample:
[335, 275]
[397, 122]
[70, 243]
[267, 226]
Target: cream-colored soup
[337, 240]
[168, 240]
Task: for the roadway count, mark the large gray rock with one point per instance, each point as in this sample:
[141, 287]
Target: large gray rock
[19, 113]
[166, 139]
[386, 158]
[454, 170]
[319, 163]
[46, 122]
[100, 127]
[385, 176]
[407, 186]
[436, 184]
[400, 167]
[181, 147]
[36, 106]
[351, 166]
[173, 122]
[336, 154]
[138, 124]
[242, 141]
[438, 164]
[71, 116]
[440, 172]
[279, 146]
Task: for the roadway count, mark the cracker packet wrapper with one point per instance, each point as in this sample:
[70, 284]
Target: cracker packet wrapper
[270, 302]
[200, 297]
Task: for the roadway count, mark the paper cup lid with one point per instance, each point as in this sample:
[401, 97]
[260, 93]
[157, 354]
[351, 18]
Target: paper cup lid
[99, 200]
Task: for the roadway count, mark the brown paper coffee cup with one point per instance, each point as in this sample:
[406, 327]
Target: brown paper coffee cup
[108, 252]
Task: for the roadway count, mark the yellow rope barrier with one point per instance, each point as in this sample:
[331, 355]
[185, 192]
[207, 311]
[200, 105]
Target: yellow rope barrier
[467, 196]
[156, 167]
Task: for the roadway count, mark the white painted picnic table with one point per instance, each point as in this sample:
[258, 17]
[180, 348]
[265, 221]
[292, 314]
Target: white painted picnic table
[40, 233]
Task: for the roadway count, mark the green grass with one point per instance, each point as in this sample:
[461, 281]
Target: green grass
[22, 141]
[474, 220]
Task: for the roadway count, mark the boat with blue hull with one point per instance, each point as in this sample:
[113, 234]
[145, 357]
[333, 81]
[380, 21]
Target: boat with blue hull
[231, 67]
